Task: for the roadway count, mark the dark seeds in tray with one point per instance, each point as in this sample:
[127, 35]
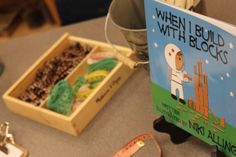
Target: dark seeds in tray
[54, 70]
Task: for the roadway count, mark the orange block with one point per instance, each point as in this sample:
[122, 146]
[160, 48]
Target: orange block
[222, 122]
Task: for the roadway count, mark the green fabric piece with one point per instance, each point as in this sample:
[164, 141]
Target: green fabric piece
[61, 98]
[80, 81]
[106, 64]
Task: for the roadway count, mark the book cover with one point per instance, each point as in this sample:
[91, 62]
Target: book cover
[193, 72]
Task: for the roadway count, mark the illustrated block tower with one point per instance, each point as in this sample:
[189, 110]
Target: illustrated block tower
[201, 103]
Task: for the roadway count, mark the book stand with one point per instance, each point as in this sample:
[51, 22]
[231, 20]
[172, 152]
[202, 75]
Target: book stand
[178, 135]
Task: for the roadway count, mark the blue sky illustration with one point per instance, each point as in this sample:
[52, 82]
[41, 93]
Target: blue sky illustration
[221, 77]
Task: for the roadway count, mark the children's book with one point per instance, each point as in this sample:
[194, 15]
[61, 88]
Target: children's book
[193, 72]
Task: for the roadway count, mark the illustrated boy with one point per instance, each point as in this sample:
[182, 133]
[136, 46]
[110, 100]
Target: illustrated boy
[175, 60]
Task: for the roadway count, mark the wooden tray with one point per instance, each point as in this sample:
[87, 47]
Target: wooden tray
[76, 121]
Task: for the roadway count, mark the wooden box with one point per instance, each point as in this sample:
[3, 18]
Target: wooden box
[77, 120]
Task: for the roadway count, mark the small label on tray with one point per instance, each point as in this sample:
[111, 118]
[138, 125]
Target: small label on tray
[113, 83]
